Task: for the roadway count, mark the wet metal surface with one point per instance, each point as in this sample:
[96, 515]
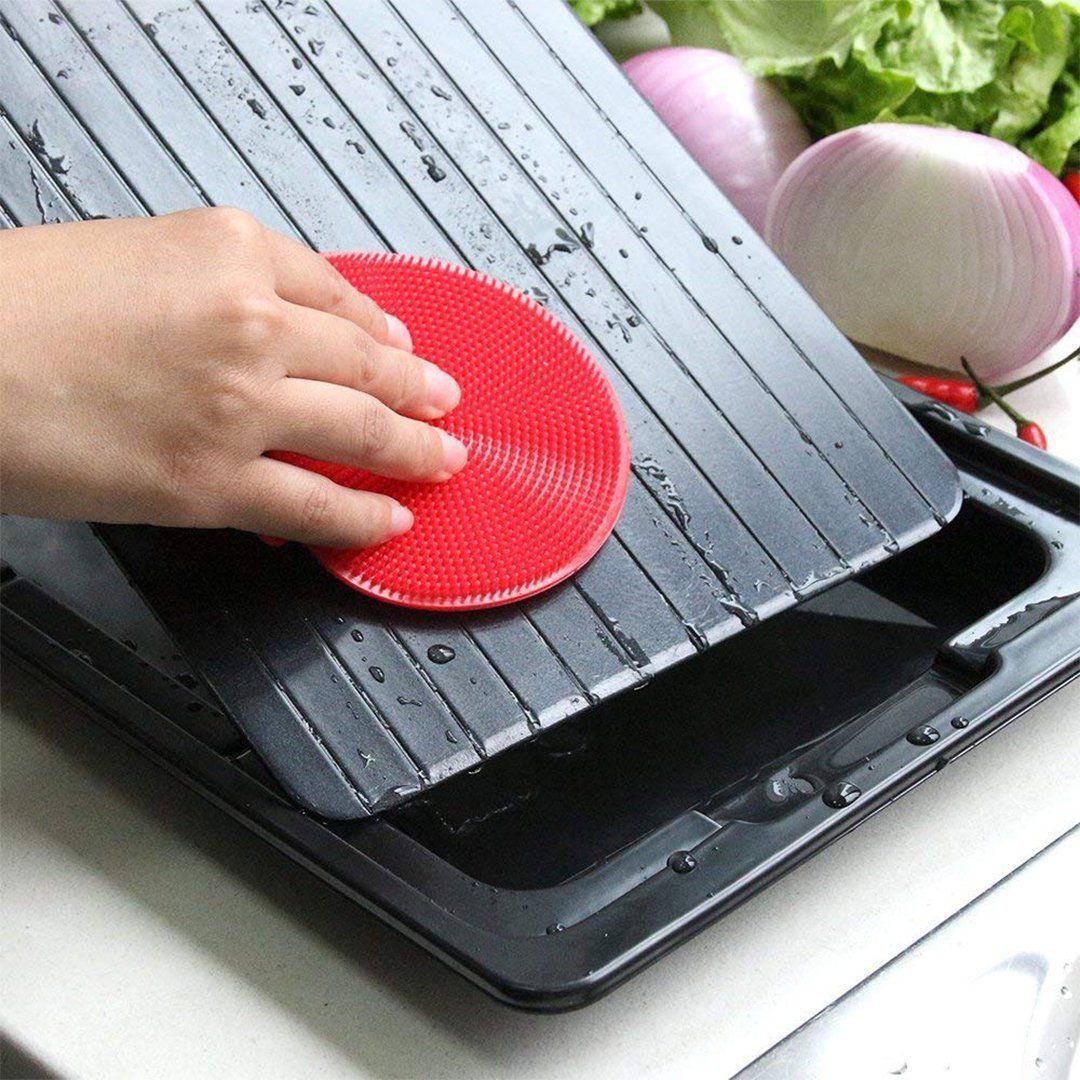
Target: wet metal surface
[768, 462]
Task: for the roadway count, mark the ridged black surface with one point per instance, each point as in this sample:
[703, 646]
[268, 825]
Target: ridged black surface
[768, 461]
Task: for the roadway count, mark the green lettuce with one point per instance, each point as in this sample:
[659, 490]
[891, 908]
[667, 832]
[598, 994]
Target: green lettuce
[1006, 68]
[590, 12]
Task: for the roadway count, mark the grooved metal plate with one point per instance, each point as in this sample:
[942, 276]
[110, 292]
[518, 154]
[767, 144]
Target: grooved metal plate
[768, 461]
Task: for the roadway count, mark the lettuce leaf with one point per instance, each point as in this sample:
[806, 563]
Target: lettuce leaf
[590, 12]
[1006, 68]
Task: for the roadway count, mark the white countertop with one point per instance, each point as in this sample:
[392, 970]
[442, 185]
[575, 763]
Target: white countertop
[144, 933]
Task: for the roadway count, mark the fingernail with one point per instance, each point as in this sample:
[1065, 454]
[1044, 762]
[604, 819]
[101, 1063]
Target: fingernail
[397, 334]
[443, 392]
[454, 453]
[401, 520]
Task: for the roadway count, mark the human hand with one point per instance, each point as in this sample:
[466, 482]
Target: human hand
[148, 365]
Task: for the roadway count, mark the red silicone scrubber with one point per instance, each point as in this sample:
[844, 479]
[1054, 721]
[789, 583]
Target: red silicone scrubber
[549, 457]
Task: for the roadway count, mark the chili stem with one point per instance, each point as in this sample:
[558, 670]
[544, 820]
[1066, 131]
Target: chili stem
[1008, 388]
[994, 394]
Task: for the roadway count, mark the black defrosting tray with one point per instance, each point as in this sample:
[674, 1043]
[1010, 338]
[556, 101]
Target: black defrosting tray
[768, 462]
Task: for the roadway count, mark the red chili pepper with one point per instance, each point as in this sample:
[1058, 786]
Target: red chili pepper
[962, 396]
[1026, 429]
[969, 397]
[1030, 432]
[1072, 182]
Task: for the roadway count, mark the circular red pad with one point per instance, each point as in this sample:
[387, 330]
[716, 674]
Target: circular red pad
[549, 457]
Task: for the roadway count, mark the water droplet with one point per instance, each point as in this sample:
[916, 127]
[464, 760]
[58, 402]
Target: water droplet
[315, 46]
[357, 635]
[439, 92]
[670, 496]
[391, 61]
[355, 145]
[57, 163]
[433, 168]
[329, 122]
[840, 794]
[440, 654]
[924, 735]
[736, 239]
[710, 244]
[377, 674]
[839, 445]
[784, 787]
[682, 862]
[187, 680]
[932, 408]
[959, 722]
[624, 253]
[297, 88]
[450, 736]
[297, 63]
[257, 108]
[409, 128]
[535, 256]
[555, 928]
[1066, 992]
[403, 700]
[637, 195]
[54, 18]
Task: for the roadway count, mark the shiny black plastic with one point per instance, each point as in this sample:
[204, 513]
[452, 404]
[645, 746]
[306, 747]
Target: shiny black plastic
[567, 863]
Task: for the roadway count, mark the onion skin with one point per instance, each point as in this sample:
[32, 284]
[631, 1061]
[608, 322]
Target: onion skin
[932, 244]
[738, 128]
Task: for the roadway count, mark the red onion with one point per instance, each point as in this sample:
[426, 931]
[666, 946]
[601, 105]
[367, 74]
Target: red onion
[737, 127]
[932, 244]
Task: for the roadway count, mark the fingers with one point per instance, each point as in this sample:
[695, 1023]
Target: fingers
[278, 499]
[338, 424]
[333, 350]
[304, 277]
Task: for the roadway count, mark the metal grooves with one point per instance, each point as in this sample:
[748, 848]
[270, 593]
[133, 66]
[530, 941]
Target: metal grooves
[610, 346]
[365, 126]
[759, 409]
[810, 333]
[517, 270]
[307, 140]
[313, 61]
[458, 251]
[757, 412]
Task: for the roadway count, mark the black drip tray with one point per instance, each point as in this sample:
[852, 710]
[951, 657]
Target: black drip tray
[783, 702]
[561, 866]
